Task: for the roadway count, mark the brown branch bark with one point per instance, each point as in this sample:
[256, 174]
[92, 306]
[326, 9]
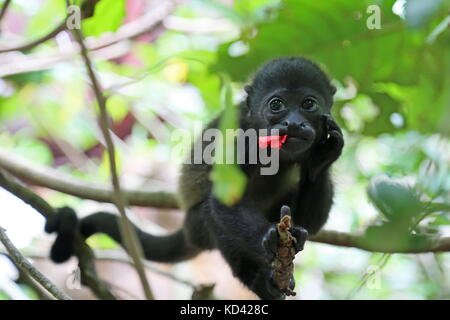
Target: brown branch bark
[86, 258]
[351, 240]
[53, 179]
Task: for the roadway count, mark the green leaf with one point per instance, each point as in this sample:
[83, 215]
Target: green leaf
[117, 107]
[51, 12]
[395, 198]
[392, 236]
[228, 179]
[228, 183]
[108, 16]
[335, 34]
[102, 241]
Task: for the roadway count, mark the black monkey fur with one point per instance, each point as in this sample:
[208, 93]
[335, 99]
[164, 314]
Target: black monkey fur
[290, 94]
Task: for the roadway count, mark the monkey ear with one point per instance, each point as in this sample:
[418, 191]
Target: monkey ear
[333, 89]
[248, 89]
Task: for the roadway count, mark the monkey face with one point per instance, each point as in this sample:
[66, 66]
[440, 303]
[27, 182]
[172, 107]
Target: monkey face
[292, 95]
[296, 113]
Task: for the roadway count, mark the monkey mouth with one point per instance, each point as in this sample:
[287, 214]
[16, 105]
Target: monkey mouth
[296, 145]
[297, 138]
[272, 141]
[297, 141]
[300, 137]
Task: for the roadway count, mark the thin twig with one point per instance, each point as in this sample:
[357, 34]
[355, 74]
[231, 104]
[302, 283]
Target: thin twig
[38, 41]
[104, 256]
[126, 229]
[86, 258]
[21, 262]
[381, 263]
[114, 256]
[111, 45]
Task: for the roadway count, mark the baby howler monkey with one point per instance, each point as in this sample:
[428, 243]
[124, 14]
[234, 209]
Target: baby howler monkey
[292, 95]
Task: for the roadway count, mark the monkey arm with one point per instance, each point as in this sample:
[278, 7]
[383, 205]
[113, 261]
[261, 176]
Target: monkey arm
[241, 222]
[315, 191]
[313, 201]
[239, 232]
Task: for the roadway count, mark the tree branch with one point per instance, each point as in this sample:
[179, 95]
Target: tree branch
[344, 239]
[53, 179]
[22, 263]
[127, 231]
[84, 254]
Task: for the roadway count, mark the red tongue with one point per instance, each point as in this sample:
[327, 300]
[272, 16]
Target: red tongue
[273, 141]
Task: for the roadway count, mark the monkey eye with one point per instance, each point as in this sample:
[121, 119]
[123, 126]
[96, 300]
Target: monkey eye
[276, 105]
[309, 104]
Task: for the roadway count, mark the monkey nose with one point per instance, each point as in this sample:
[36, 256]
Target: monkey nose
[294, 129]
[295, 126]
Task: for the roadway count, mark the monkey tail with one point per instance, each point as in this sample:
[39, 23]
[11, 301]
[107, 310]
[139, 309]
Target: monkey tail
[170, 248]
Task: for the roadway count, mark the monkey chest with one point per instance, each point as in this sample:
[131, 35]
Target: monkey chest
[267, 192]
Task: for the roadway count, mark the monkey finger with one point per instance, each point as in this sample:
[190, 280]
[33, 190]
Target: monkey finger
[332, 125]
[285, 211]
[292, 284]
[337, 138]
[300, 234]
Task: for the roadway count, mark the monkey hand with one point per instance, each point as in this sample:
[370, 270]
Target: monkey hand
[326, 151]
[270, 240]
[280, 248]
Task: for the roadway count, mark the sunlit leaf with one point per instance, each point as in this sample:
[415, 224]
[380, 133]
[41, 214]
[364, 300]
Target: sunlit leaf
[395, 198]
[108, 16]
[228, 179]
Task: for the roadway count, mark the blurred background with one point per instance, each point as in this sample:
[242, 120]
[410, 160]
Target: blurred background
[162, 64]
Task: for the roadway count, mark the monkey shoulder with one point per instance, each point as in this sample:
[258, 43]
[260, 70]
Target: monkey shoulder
[267, 191]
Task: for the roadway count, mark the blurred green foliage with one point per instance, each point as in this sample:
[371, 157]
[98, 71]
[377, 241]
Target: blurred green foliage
[393, 102]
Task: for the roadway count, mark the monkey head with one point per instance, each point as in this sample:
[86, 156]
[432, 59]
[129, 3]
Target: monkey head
[294, 96]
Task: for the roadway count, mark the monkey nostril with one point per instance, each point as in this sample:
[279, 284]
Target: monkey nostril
[303, 125]
[285, 123]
